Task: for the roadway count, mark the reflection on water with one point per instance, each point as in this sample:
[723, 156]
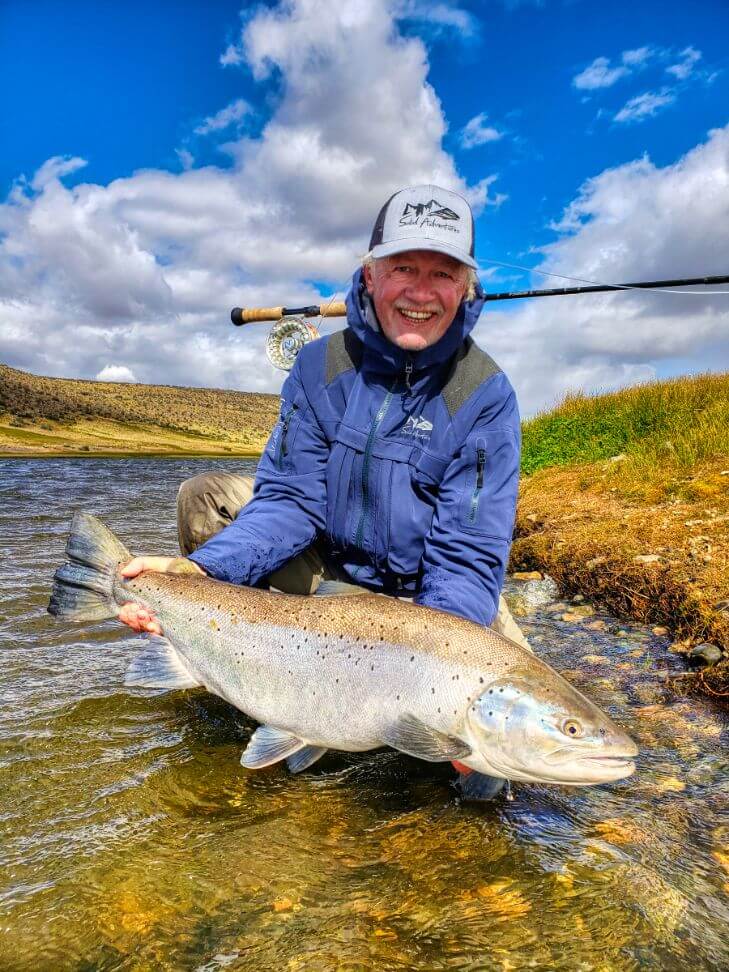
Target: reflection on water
[131, 838]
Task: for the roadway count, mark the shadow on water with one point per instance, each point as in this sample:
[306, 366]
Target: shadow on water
[131, 838]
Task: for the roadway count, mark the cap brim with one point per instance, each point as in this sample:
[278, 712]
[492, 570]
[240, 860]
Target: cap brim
[406, 243]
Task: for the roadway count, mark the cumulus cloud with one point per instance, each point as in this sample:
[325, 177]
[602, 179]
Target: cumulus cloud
[145, 269]
[477, 132]
[645, 105]
[634, 222]
[116, 373]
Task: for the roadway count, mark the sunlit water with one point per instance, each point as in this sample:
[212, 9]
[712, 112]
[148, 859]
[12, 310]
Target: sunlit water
[131, 838]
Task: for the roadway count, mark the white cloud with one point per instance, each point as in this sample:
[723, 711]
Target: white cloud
[684, 68]
[116, 373]
[637, 56]
[645, 105]
[144, 270]
[231, 114]
[440, 16]
[633, 222]
[477, 132]
[599, 74]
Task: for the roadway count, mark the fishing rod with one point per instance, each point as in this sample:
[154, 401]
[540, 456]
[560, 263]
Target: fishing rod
[291, 332]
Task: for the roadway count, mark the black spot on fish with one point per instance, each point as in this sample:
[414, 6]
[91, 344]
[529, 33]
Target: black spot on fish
[438, 708]
[398, 698]
[432, 691]
[481, 679]
[412, 658]
[490, 713]
[372, 668]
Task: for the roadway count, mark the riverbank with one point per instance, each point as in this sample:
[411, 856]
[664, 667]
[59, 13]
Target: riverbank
[643, 528]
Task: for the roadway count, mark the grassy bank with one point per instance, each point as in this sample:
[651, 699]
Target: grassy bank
[626, 500]
[64, 417]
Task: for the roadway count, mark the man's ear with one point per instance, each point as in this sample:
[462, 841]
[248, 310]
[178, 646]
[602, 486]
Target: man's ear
[367, 275]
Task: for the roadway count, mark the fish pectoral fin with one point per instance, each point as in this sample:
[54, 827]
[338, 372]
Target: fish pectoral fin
[305, 758]
[332, 588]
[413, 737]
[269, 745]
[159, 666]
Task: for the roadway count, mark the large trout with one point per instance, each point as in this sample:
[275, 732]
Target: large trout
[349, 671]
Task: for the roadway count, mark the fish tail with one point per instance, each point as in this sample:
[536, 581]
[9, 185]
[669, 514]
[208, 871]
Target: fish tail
[83, 586]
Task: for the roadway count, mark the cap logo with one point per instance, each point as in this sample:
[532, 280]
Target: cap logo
[414, 213]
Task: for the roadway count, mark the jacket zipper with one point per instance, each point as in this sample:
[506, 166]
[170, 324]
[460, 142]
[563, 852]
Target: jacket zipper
[282, 450]
[480, 464]
[358, 535]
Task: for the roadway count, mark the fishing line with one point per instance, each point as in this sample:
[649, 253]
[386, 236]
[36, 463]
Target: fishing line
[600, 283]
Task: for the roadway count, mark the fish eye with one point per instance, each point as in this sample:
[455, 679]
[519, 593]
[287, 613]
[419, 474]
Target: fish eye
[571, 727]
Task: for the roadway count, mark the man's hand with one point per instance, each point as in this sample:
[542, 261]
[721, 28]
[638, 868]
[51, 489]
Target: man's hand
[137, 617]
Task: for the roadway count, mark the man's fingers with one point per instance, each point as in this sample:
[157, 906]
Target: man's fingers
[134, 567]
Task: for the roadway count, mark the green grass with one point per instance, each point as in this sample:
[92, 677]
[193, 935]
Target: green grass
[671, 427]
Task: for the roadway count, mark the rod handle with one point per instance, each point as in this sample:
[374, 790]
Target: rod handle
[251, 315]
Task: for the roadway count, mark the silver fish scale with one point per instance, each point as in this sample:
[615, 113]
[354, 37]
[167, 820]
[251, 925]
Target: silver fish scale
[332, 690]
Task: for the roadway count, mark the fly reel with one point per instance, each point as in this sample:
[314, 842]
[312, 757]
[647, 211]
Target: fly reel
[290, 332]
[286, 338]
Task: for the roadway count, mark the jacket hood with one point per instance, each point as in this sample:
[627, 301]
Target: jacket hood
[382, 355]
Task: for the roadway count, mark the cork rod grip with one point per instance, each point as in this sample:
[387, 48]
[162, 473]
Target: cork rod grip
[251, 315]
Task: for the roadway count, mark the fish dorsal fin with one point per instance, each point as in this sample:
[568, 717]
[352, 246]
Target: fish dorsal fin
[413, 737]
[269, 745]
[159, 666]
[305, 758]
[338, 588]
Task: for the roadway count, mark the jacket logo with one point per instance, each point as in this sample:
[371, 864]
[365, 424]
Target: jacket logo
[418, 426]
[414, 212]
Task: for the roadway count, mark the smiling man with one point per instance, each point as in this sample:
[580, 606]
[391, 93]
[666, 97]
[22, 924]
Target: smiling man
[394, 464]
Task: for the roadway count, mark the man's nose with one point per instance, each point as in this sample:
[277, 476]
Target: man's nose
[421, 291]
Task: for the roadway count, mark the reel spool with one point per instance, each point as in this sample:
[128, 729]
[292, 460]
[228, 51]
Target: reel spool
[286, 338]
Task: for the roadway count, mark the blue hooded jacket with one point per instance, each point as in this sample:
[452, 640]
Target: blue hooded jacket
[409, 498]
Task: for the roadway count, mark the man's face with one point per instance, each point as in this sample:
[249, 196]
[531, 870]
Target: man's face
[416, 295]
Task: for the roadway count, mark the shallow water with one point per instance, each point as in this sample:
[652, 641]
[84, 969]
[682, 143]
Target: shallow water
[131, 838]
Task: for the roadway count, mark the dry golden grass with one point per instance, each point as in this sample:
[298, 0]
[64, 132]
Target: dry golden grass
[60, 416]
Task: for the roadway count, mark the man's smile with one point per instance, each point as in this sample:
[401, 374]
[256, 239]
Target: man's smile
[417, 316]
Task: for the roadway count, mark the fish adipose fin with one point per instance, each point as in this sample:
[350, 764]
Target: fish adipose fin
[269, 745]
[159, 666]
[305, 758]
[413, 737]
[82, 588]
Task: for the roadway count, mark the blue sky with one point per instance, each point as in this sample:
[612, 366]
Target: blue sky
[521, 104]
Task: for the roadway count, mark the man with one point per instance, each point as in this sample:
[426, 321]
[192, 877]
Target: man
[394, 464]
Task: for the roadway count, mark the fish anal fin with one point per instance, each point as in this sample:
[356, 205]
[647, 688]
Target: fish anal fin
[158, 665]
[413, 737]
[305, 758]
[269, 745]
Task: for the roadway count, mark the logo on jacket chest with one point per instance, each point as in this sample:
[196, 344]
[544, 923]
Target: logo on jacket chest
[417, 426]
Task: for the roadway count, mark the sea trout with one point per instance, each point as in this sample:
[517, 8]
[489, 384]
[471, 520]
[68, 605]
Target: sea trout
[351, 671]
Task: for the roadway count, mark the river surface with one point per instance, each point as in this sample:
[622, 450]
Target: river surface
[131, 838]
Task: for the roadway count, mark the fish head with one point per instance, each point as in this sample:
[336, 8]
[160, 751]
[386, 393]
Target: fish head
[535, 727]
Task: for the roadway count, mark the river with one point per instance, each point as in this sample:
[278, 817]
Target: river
[131, 838]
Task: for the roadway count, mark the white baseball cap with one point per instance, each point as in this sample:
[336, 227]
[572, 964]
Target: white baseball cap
[425, 218]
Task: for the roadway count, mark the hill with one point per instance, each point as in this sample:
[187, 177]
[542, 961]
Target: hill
[61, 416]
[626, 500]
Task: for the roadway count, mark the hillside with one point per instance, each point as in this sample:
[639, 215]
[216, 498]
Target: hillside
[626, 501]
[60, 416]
